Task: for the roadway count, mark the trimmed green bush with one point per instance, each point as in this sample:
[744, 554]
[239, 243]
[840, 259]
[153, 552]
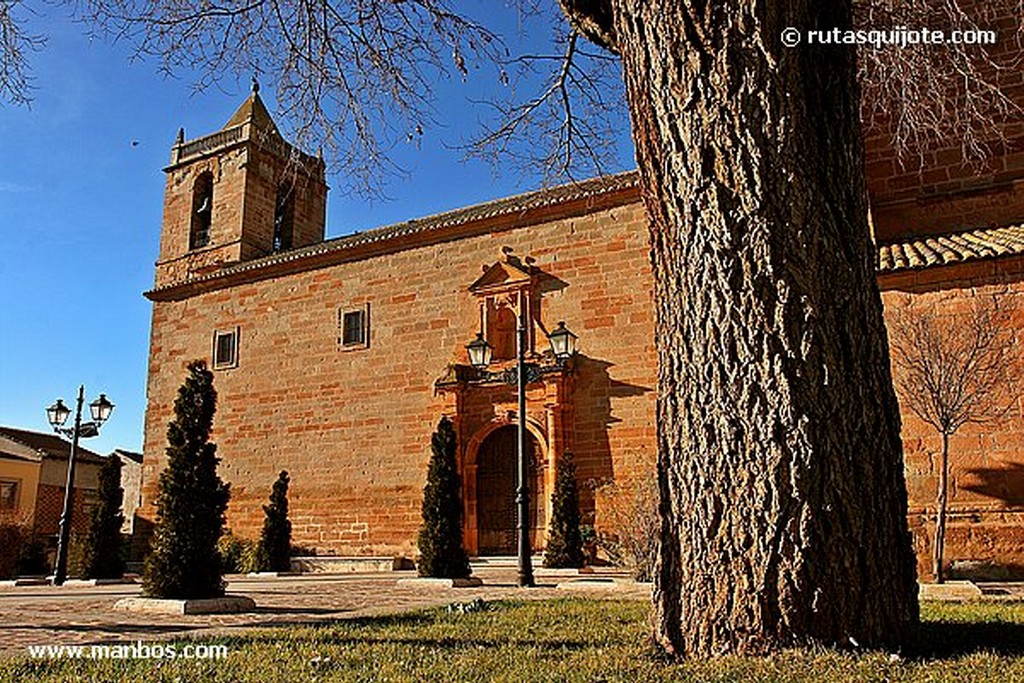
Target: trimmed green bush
[565, 542]
[276, 539]
[12, 537]
[229, 549]
[440, 539]
[102, 552]
[238, 555]
[32, 559]
[191, 500]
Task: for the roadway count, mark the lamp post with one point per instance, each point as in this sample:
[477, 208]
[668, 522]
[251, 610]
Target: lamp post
[563, 345]
[57, 414]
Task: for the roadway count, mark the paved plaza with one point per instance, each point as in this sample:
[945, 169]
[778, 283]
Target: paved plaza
[80, 614]
[71, 615]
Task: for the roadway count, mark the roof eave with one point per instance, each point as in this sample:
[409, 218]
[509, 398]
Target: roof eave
[405, 236]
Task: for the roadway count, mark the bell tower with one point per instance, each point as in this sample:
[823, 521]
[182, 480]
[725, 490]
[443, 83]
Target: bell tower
[238, 194]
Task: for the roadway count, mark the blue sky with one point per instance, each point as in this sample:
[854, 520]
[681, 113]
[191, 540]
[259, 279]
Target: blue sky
[80, 211]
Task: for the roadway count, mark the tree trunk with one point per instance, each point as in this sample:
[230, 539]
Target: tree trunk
[780, 466]
[940, 514]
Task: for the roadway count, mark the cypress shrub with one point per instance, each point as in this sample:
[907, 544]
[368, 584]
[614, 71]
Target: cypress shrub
[191, 500]
[565, 542]
[102, 557]
[440, 539]
[276, 539]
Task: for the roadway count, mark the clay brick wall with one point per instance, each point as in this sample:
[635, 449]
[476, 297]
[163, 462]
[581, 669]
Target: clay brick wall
[937, 192]
[50, 502]
[353, 426]
[986, 485]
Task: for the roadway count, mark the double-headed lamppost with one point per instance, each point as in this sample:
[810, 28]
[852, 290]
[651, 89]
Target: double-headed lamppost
[58, 414]
[563, 345]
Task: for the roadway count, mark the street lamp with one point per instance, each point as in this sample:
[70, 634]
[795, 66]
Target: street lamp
[57, 415]
[563, 346]
[479, 352]
[563, 342]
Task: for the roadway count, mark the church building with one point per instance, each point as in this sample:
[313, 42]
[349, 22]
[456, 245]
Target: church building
[335, 359]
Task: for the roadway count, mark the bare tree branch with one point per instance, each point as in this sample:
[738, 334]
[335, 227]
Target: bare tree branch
[354, 78]
[15, 44]
[923, 95]
[566, 129]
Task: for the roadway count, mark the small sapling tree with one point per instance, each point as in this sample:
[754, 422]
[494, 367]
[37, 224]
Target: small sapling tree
[950, 371]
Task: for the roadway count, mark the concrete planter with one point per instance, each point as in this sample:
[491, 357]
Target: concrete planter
[950, 590]
[427, 582]
[349, 565]
[25, 581]
[99, 582]
[229, 604]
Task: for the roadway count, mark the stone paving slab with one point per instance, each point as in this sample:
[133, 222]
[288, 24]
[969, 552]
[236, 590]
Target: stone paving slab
[50, 615]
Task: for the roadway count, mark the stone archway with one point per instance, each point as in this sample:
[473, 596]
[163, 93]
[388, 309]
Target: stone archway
[496, 492]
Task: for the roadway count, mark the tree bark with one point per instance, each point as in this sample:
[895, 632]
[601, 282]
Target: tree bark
[939, 546]
[780, 467]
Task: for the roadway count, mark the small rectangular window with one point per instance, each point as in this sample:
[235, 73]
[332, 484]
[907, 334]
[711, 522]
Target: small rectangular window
[354, 332]
[8, 495]
[225, 349]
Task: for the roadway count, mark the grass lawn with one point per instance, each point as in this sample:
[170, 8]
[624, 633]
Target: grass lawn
[560, 640]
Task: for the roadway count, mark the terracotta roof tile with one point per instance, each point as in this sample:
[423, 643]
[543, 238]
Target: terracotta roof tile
[49, 445]
[941, 250]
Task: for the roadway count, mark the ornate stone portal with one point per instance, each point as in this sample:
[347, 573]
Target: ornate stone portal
[482, 404]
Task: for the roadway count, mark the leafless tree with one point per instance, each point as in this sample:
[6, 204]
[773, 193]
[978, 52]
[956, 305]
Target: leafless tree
[953, 369]
[627, 522]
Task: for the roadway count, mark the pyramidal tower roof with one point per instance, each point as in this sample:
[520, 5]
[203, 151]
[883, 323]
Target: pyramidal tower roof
[251, 123]
[253, 111]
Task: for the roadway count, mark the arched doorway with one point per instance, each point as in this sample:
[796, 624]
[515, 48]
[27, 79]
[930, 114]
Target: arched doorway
[496, 492]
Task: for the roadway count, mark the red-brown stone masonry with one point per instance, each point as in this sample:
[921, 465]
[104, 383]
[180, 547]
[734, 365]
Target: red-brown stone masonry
[353, 426]
[175, 260]
[264, 174]
[936, 192]
[245, 183]
[986, 486]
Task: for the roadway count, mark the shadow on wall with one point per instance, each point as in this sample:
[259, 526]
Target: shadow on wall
[596, 397]
[1005, 484]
